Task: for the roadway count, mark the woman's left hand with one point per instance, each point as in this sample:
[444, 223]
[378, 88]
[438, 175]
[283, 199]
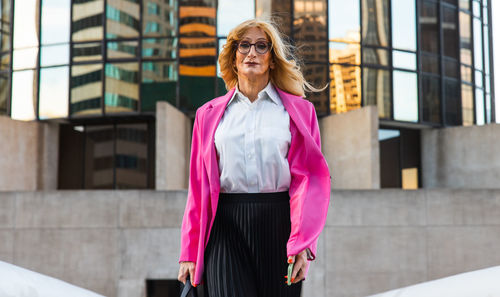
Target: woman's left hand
[299, 267]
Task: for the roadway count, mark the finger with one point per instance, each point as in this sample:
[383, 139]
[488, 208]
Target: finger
[300, 276]
[295, 271]
[182, 276]
[191, 274]
[291, 259]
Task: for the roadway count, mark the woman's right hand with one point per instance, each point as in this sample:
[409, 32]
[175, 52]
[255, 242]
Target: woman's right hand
[187, 268]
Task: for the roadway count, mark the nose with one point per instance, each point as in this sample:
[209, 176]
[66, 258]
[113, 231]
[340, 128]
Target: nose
[253, 51]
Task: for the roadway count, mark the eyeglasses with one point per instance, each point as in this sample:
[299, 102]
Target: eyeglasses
[260, 46]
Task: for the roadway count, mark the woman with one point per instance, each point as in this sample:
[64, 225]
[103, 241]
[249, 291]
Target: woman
[259, 186]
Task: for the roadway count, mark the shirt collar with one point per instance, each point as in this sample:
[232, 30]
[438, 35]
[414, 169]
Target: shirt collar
[269, 90]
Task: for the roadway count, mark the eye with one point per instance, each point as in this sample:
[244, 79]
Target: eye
[244, 45]
[261, 45]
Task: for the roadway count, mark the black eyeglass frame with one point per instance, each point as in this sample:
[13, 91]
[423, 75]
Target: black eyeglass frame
[269, 46]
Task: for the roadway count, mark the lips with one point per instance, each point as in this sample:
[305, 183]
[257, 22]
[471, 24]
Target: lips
[251, 63]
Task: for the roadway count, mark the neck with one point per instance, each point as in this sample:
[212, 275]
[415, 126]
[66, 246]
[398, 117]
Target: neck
[251, 87]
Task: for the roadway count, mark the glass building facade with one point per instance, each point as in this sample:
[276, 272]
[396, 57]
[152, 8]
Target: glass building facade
[101, 65]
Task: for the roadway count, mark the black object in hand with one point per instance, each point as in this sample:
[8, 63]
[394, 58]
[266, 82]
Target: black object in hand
[189, 290]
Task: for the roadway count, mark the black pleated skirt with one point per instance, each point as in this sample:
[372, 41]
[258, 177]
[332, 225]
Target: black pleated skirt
[246, 252]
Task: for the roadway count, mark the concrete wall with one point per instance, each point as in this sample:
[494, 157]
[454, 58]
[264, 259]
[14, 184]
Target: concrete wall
[173, 146]
[29, 155]
[350, 145]
[461, 157]
[374, 240]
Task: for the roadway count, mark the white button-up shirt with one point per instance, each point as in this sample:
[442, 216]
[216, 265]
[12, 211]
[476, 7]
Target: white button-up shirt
[252, 142]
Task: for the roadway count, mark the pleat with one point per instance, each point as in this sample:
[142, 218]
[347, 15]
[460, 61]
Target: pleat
[246, 252]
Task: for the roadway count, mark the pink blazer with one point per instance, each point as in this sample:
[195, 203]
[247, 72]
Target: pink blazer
[309, 189]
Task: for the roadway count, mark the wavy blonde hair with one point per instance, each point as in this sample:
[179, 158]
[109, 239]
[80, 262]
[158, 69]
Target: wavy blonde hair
[286, 75]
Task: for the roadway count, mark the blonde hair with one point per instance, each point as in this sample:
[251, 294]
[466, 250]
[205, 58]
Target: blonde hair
[286, 74]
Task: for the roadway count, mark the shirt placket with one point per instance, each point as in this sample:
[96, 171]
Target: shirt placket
[250, 156]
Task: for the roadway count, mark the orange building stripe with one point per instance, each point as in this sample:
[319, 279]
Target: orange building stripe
[197, 71]
[194, 11]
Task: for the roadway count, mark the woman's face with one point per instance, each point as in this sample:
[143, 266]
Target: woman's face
[252, 65]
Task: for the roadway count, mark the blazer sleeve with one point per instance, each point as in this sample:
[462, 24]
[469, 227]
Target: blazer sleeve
[190, 229]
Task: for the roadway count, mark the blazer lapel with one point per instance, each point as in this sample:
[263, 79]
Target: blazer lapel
[211, 119]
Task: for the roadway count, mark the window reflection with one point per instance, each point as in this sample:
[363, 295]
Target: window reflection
[131, 158]
[488, 108]
[87, 52]
[86, 89]
[159, 18]
[87, 20]
[478, 76]
[404, 60]
[466, 73]
[404, 25]
[450, 68]
[23, 95]
[55, 21]
[231, 13]
[478, 45]
[25, 58]
[465, 39]
[375, 19]
[54, 55]
[122, 19]
[467, 105]
[345, 53]
[310, 30]
[192, 98]
[375, 56]
[450, 32]
[452, 102]
[345, 88]
[158, 84]
[476, 8]
[122, 49]
[480, 120]
[317, 74]
[377, 90]
[4, 92]
[99, 148]
[197, 56]
[464, 4]
[343, 21]
[430, 63]
[486, 50]
[431, 111]
[159, 48]
[197, 18]
[4, 61]
[4, 26]
[122, 87]
[428, 21]
[25, 23]
[405, 90]
[54, 83]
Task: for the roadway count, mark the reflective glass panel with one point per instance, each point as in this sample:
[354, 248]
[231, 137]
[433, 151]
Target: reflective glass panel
[478, 45]
[159, 48]
[467, 105]
[479, 79]
[343, 21]
[450, 32]
[485, 14]
[283, 10]
[377, 90]
[5, 25]
[430, 63]
[464, 4]
[197, 18]
[231, 13]
[405, 90]
[122, 19]
[345, 53]
[452, 2]
[375, 56]
[317, 75]
[192, 98]
[429, 27]
[55, 21]
[487, 83]
[431, 99]
[25, 58]
[466, 73]
[4, 92]
[4, 61]
[488, 108]
[23, 95]
[122, 87]
[465, 39]
[476, 8]
[451, 68]
[159, 81]
[452, 102]
[99, 155]
[310, 31]
[159, 18]
[404, 60]
[87, 52]
[375, 22]
[313, 51]
[404, 31]
[480, 120]
[197, 56]
[25, 23]
[54, 55]
[131, 159]
[486, 51]
[123, 49]
[345, 88]
[87, 20]
[86, 89]
[54, 84]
